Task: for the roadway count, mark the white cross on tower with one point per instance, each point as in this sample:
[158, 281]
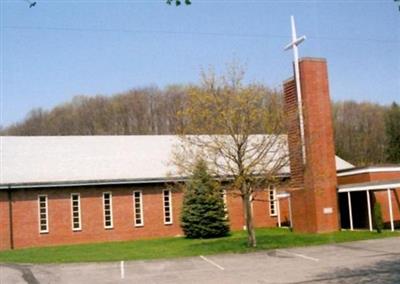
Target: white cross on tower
[295, 42]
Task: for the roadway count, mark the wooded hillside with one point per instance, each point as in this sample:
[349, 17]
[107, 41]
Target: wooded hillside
[361, 134]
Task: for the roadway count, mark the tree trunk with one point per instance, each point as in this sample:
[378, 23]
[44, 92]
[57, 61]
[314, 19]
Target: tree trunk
[248, 216]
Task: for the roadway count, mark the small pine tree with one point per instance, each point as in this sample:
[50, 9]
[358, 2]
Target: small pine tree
[203, 211]
[378, 220]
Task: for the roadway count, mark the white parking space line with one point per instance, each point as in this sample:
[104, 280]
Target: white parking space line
[122, 266]
[212, 262]
[300, 255]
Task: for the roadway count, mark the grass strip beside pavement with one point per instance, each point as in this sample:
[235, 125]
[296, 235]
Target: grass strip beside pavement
[181, 247]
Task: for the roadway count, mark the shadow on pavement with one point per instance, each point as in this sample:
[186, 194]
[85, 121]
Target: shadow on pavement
[26, 272]
[385, 271]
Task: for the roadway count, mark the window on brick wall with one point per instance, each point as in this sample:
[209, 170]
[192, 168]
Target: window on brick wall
[273, 209]
[138, 208]
[167, 206]
[76, 211]
[43, 214]
[107, 204]
[223, 197]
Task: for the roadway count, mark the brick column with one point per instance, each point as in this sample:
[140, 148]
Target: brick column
[314, 197]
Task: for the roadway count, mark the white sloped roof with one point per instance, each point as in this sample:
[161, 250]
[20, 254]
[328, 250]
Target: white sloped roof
[57, 159]
[342, 164]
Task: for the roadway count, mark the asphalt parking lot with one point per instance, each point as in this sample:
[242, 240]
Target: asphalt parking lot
[372, 261]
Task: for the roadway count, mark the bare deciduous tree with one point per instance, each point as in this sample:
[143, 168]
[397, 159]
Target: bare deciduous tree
[237, 132]
[360, 132]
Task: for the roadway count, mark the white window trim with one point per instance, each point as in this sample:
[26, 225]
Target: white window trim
[368, 170]
[225, 202]
[47, 214]
[79, 212]
[274, 200]
[111, 211]
[224, 198]
[170, 206]
[141, 224]
[369, 187]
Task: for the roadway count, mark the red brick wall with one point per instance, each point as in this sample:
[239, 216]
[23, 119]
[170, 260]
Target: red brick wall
[25, 215]
[320, 173]
[261, 214]
[5, 242]
[382, 198]
[366, 177]
[235, 210]
[318, 190]
[294, 141]
[353, 179]
[385, 176]
[300, 223]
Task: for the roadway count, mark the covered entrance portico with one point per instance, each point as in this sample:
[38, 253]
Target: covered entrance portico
[356, 203]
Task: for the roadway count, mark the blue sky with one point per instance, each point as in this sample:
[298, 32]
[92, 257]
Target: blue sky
[60, 49]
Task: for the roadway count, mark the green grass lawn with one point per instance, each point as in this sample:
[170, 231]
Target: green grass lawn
[179, 247]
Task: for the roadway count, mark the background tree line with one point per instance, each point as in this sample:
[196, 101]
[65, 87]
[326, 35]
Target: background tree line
[145, 111]
[365, 133]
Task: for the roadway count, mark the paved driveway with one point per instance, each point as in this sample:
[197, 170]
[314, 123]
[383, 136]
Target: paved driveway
[373, 261]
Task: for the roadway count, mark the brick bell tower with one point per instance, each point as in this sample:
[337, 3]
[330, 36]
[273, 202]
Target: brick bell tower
[313, 168]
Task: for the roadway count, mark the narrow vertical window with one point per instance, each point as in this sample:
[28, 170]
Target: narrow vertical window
[167, 206]
[223, 197]
[138, 208]
[43, 214]
[272, 201]
[76, 211]
[107, 203]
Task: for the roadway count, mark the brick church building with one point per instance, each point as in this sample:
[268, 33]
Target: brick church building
[80, 189]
